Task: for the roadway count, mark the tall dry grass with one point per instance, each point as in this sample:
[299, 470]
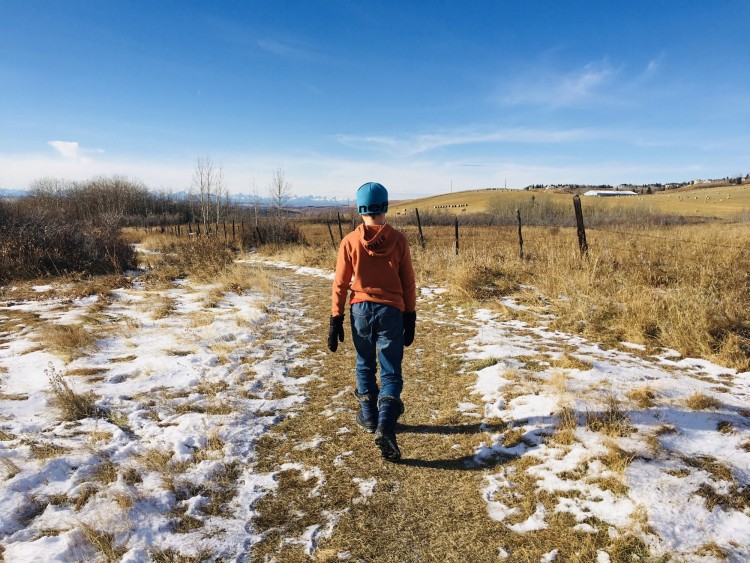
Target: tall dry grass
[201, 258]
[684, 287]
[647, 278]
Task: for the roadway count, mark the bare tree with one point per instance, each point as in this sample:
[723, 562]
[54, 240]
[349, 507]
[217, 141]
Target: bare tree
[256, 202]
[208, 190]
[280, 191]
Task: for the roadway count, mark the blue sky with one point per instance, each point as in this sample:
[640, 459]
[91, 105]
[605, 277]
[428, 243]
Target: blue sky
[424, 97]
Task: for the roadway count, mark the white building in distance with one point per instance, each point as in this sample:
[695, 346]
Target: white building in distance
[609, 193]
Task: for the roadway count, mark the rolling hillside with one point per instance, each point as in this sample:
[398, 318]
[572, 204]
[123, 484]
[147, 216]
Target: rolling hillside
[722, 202]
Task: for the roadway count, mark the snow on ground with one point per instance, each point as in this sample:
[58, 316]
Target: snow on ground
[182, 394]
[689, 470]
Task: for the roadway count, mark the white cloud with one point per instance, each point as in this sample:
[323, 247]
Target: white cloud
[72, 150]
[418, 144]
[68, 149]
[552, 87]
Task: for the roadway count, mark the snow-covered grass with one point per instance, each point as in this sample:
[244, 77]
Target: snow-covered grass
[556, 446]
[656, 444]
[127, 427]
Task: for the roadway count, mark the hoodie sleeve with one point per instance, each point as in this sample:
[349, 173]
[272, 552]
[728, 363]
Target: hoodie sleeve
[408, 284]
[341, 280]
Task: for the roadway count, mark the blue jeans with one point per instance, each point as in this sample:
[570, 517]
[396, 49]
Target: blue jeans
[378, 331]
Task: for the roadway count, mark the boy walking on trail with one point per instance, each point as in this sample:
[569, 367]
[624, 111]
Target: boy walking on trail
[374, 263]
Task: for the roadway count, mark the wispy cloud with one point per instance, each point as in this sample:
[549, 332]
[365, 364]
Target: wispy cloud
[290, 50]
[72, 150]
[552, 87]
[418, 144]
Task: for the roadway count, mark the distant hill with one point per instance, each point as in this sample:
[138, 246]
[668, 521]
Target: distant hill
[294, 201]
[11, 193]
[700, 199]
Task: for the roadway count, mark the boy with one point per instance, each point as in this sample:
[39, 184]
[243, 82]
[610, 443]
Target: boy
[383, 317]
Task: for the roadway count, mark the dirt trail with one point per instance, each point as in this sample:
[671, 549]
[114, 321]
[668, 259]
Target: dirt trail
[337, 499]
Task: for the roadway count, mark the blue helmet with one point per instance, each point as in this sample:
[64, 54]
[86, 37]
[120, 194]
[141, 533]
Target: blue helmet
[372, 199]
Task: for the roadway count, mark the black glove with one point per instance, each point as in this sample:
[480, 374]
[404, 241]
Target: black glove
[410, 320]
[335, 330]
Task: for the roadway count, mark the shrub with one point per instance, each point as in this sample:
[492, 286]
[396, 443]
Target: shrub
[39, 242]
[73, 406]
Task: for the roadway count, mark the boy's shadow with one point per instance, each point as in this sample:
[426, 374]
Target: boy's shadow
[662, 419]
[471, 462]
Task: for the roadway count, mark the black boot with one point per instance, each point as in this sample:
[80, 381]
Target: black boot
[389, 409]
[367, 417]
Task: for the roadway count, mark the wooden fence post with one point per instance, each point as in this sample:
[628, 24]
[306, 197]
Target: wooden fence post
[419, 227]
[341, 230]
[257, 232]
[330, 232]
[198, 225]
[520, 236]
[233, 235]
[225, 231]
[456, 236]
[582, 244]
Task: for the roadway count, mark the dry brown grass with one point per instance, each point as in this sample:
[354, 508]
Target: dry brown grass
[701, 402]
[66, 341]
[174, 556]
[10, 467]
[100, 436]
[202, 259]
[735, 498]
[13, 396]
[85, 493]
[44, 450]
[568, 361]
[725, 427]
[566, 425]
[155, 459]
[242, 277]
[612, 420]
[718, 470]
[712, 550]
[102, 541]
[104, 473]
[655, 287]
[72, 405]
[644, 397]
[164, 307]
[87, 372]
[617, 459]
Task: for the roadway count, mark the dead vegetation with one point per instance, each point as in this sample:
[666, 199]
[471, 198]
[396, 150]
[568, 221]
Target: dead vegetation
[103, 541]
[644, 397]
[658, 295]
[701, 402]
[612, 420]
[71, 404]
[66, 341]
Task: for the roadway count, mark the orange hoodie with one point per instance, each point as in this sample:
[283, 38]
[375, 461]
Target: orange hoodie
[378, 257]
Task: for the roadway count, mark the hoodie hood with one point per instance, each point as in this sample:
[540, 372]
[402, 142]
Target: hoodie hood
[377, 240]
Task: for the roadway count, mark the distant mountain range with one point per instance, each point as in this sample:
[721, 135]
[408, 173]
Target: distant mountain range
[294, 201]
[11, 193]
[242, 199]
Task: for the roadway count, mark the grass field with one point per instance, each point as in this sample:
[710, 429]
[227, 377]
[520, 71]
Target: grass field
[716, 202]
[558, 407]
